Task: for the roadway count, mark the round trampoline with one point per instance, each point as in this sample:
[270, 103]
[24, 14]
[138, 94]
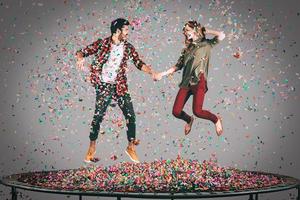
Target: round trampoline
[173, 179]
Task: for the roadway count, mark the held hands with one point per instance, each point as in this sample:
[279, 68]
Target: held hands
[157, 76]
[169, 73]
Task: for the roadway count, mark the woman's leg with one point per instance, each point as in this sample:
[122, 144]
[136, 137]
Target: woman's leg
[181, 98]
[198, 99]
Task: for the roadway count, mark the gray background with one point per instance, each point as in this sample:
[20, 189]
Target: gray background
[47, 106]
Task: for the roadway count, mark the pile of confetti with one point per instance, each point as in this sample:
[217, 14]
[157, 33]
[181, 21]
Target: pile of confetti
[176, 175]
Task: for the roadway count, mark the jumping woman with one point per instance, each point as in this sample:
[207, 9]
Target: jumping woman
[194, 61]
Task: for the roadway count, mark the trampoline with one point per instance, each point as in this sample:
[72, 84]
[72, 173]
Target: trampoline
[78, 184]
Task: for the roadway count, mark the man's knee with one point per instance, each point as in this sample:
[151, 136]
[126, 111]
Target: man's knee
[97, 118]
[129, 115]
[131, 118]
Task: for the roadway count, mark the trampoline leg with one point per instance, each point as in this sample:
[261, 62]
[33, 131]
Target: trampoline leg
[251, 197]
[80, 197]
[298, 198]
[14, 193]
[118, 198]
[256, 196]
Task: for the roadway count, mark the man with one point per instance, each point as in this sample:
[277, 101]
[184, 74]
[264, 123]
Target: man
[108, 76]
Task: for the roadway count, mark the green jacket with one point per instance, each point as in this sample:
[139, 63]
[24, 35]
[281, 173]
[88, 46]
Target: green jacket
[195, 59]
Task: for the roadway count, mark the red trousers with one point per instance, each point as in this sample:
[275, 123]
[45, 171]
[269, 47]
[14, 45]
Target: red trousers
[198, 91]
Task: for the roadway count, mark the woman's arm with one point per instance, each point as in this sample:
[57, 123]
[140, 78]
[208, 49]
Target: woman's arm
[159, 76]
[169, 71]
[176, 67]
[219, 34]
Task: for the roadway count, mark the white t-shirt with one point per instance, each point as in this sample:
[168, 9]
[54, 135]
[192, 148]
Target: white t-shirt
[111, 67]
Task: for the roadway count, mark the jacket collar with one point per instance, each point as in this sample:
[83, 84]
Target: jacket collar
[110, 41]
[199, 40]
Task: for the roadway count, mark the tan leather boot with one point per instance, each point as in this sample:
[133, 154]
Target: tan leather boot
[130, 151]
[91, 153]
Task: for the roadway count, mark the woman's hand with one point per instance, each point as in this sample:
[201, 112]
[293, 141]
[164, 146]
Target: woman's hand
[220, 34]
[157, 76]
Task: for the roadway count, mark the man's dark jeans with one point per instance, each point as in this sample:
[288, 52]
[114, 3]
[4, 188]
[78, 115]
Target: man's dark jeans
[104, 94]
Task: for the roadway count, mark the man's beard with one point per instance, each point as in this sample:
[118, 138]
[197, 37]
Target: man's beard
[122, 37]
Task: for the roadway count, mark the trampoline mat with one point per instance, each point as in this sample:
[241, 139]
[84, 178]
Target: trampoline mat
[177, 176]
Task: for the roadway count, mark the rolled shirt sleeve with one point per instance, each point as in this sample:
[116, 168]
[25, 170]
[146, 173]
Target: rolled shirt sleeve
[134, 56]
[179, 64]
[91, 48]
[214, 41]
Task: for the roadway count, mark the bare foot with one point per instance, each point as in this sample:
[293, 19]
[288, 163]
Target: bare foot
[188, 126]
[219, 127]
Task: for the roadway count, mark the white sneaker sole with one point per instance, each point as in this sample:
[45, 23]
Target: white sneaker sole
[88, 161]
[136, 161]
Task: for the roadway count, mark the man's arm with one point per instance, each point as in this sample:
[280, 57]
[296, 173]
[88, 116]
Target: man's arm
[147, 69]
[87, 51]
[138, 62]
[90, 49]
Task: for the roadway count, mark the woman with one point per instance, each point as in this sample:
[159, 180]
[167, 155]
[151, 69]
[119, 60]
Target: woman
[194, 61]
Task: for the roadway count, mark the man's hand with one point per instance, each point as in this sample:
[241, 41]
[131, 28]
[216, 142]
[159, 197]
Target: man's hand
[147, 69]
[80, 61]
[80, 64]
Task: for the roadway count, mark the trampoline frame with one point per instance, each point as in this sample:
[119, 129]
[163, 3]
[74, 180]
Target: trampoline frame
[11, 181]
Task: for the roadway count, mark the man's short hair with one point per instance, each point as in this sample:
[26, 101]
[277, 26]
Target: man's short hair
[118, 24]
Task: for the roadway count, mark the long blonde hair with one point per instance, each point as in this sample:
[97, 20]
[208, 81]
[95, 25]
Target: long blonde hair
[197, 27]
